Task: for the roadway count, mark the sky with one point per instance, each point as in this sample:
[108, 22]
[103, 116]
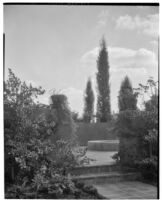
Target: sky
[56, 46]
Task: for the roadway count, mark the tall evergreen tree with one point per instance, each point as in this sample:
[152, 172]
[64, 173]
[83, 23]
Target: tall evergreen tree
[127, 98]
[103, 101]
[88, 102]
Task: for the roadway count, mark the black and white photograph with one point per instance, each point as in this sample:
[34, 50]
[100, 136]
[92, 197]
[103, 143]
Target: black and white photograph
[81, 100]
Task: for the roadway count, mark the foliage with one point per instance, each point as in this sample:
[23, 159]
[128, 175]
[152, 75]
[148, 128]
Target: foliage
[127, 98]
[103, 100]
[138, 134]
[60, 108]
[63, 118]
[18, 108]
[30, 170]
[75, 117]
[133, 127]
[148, 94]
[89, 103]
[86, 189]
[152, 104]
[149, 168]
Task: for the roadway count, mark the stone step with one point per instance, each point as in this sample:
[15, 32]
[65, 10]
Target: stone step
[109, 177]
[94, 169]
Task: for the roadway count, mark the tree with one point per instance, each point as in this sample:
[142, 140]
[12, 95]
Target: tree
[149, 91]
[103, 101]
[89, 102]
[127, 98]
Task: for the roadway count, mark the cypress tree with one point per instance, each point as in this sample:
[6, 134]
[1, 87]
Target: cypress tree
[88, 102]
[103, 101]
[127, 99]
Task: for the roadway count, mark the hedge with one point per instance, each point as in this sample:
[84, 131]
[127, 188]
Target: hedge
[94, 131]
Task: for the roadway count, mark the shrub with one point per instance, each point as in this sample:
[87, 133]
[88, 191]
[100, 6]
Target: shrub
[133, 128]
[28, 164]
[138, 134]
[149, 168]
[30, 170]
[63, 118]
[127, 98]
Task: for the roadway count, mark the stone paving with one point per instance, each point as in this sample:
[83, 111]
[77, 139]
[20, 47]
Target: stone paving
[120, 190]
[127, 190]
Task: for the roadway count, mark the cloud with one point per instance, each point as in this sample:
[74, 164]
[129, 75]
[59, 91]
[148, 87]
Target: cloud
[122, 58]
[90, 56]
[154, 43]
[148, 25]
[102, 19]
[128, 58]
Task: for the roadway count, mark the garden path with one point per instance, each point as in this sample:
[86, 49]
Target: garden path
[120, 190]
[127, 190]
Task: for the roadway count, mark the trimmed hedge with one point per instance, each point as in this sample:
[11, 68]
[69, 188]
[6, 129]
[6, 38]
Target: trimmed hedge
[94, 131]
[103, 145]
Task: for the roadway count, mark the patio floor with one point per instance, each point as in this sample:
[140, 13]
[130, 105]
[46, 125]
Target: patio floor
[127, 190]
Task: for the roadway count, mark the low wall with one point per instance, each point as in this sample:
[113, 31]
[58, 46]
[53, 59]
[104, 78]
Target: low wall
[94, 131]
